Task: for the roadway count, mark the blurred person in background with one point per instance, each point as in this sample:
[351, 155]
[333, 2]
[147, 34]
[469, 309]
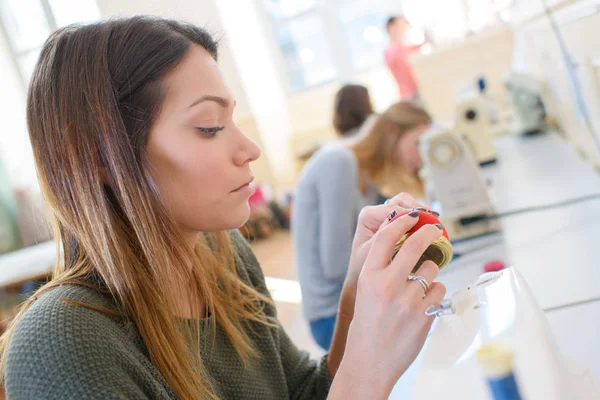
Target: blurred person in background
[351, 109]
[352, 106]
[336, 183]
[397, 59]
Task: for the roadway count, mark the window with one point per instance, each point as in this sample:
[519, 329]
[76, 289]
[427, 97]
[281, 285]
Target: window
[363, 25]
[326, 40]
[321, 41]
[27, 24]
[307, 56]
[299, 29]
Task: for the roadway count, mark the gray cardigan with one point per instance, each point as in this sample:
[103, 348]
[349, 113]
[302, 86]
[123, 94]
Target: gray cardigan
[324, 217]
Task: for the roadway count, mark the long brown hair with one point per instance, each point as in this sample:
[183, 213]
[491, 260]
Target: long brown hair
[92, 100]
[376, 147]
[351, 109]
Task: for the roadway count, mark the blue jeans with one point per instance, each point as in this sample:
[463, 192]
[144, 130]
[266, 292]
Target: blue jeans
[322, 331]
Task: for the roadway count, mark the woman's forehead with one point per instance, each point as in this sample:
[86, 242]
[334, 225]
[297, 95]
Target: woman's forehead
[197, 75]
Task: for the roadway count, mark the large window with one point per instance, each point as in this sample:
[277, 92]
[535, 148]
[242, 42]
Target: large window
[321, 41]
[308, 58]
[363, 26]
[27, 24]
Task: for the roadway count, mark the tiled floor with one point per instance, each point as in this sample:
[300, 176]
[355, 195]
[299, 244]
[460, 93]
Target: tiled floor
[276, 257]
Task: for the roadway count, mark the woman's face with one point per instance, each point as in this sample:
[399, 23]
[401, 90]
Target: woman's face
[198, 157]
[408, 149]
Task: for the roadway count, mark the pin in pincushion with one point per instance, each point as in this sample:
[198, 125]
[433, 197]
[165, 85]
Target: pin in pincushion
[440, 251]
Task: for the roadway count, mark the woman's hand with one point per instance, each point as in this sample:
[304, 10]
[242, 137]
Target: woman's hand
[369, 222]
[389, 325]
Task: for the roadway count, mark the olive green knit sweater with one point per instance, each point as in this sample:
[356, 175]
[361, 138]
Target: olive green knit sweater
[63, 351]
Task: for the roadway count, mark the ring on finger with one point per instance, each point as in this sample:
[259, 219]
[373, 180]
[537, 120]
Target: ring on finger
[422, 281]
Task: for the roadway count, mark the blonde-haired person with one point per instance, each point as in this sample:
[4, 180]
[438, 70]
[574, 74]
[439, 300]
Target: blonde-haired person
[156, 295]
[336, 183]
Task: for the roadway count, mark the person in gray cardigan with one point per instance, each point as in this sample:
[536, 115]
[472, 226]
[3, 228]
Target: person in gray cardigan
[336, 183]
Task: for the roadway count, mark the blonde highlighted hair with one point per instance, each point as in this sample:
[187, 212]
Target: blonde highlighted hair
[92, 100]
[376, 147]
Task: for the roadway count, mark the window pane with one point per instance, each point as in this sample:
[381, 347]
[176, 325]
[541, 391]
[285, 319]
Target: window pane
[25, 23]
[65, 13]
[363, 23]
[282, 9]
[306, 53]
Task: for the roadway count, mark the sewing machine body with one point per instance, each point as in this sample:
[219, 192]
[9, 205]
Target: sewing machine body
[474, 127]
[528, 97]
[454, 184]
[498, 307]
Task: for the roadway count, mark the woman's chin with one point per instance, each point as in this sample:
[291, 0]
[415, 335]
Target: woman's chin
[234, 218]
[241, 217]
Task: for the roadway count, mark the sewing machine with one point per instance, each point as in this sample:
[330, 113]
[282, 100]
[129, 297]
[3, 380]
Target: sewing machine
[527, 96]
[454, 186]
[497, 308]
[474, 127]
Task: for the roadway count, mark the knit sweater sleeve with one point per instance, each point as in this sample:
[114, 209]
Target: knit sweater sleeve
[306, 378]
[63, 351]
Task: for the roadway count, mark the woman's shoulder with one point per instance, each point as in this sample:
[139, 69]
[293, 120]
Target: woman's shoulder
[62, 306]
[58, 329]
[61, 348]
[333, 159]
[65, 316]
[336, 153]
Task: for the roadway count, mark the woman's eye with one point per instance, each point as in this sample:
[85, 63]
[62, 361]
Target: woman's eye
[211, 131]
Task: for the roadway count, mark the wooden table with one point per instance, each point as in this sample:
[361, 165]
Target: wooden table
[27, 264]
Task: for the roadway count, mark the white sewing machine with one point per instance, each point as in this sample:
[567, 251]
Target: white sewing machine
[474, 127]
[454, 186]
[497, 307]
[528, 96]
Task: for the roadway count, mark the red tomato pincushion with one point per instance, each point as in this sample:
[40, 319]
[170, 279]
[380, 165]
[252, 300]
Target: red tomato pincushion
[440, 251]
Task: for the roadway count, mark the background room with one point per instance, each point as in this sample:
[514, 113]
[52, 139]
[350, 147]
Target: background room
[515, 86]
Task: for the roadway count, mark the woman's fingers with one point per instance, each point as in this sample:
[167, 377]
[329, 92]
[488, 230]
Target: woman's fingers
[412, 250]
[385, 240]
[434, 295]
[404, 200]
[376, 217]
[393, 211]
[429, 271]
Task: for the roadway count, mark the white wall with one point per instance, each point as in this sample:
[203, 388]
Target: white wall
[579, 24]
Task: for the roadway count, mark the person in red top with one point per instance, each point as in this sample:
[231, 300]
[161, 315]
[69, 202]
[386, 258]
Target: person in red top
[396, 58]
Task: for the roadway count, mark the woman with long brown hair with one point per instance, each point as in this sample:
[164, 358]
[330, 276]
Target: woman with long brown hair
[335, 184]
[155, 293]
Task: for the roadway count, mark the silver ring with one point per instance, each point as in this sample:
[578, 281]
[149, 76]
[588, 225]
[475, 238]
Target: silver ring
[422, 281]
